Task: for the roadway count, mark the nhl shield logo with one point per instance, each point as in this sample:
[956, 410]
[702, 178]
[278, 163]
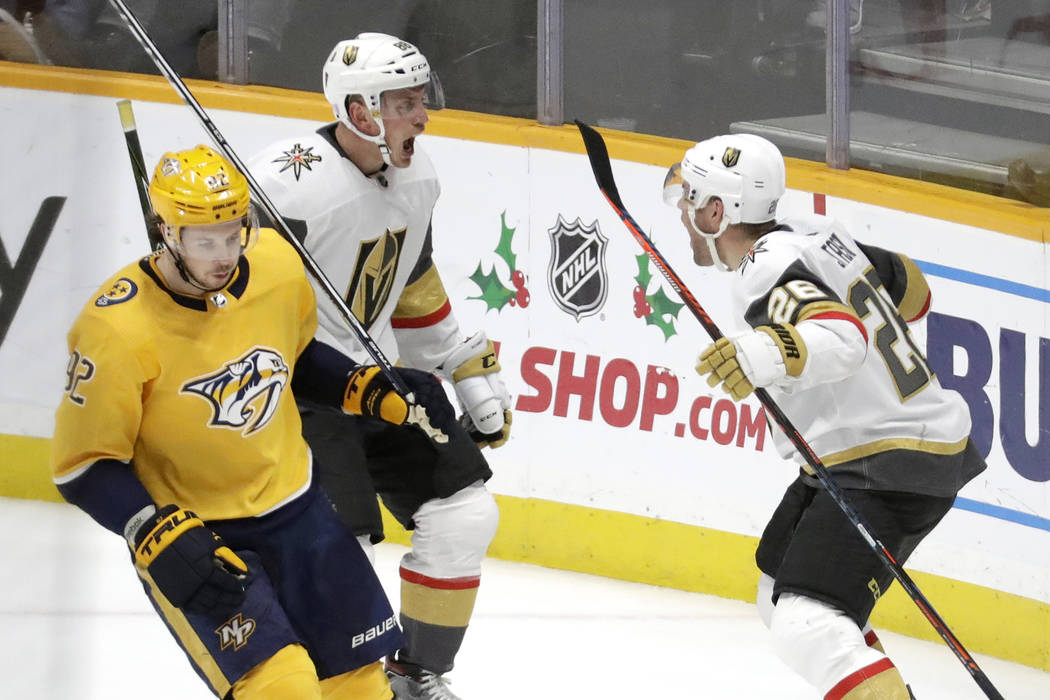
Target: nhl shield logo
[576, 274]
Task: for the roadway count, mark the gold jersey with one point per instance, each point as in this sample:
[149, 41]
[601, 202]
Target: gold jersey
[193, 392]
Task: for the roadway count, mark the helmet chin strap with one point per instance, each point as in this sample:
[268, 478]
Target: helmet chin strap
[710, 238]
[184, 273]
[379, 140]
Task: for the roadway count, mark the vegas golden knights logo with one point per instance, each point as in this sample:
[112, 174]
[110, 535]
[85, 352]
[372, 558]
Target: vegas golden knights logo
[350, 55]
[730, 157]
[374, 275]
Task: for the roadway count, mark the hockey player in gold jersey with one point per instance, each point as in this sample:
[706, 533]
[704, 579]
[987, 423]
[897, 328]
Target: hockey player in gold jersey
[179, 431]
[822, 324]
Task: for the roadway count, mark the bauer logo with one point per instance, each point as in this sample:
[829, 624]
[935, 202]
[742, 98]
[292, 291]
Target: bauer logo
[576, 274]
[373, 632]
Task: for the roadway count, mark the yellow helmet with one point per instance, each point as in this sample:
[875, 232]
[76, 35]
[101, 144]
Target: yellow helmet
[198, 187]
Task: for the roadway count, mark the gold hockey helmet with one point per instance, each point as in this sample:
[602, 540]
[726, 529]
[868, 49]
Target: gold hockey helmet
[198, 187]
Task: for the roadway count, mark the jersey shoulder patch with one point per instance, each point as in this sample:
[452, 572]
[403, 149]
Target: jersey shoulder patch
[296, 159]
[120, 291]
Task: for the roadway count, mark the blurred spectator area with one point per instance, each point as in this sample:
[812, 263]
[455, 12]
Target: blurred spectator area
[951, 91]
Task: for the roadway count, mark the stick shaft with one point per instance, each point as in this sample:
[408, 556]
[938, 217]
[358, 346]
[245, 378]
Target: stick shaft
[138, 169]
[259, 196]
[600, 164]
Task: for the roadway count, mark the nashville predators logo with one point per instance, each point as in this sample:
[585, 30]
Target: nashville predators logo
[244, 394]
[122, 290]
[730, 157]
[350, 55]
[374, 275]
[235, 632]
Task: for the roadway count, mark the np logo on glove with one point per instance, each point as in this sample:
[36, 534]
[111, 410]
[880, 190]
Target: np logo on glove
[370, 394]
[475, 373]
[765, 356]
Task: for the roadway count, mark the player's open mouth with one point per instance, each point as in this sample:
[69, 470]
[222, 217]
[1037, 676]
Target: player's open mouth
[409, 147]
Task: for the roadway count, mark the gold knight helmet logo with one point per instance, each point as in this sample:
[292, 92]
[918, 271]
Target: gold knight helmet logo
[373, 275]
[350, 55]
[730, 157]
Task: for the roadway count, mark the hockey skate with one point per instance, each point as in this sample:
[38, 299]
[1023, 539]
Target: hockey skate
[410, 682]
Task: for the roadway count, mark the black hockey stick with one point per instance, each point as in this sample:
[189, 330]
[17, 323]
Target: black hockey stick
[260, 197]
[138, 169]
[599, 157]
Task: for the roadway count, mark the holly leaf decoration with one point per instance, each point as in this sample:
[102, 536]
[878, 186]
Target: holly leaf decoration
[493, 293]
[505, 237]
[644, 276]
[665, 311]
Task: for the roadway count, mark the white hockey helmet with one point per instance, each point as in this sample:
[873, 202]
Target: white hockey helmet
[369, 65]
[745, 171]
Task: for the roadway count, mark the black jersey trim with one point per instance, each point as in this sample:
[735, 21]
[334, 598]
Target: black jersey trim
[235, 288]
[757, 313]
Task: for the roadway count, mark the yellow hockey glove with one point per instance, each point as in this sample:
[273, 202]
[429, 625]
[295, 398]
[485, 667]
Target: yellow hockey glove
[370, 394]
[190, 565]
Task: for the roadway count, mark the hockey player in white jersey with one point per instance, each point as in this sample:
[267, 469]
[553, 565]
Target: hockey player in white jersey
[360, 194]
[824, 327]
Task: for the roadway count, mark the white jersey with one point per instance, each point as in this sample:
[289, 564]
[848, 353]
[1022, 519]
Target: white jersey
[888, 424]
[371, 238]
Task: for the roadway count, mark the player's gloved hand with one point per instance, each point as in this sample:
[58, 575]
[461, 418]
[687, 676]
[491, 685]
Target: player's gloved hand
[190, 564]
[475, 373]
[492, 440]
[757, 358]
[370, 394]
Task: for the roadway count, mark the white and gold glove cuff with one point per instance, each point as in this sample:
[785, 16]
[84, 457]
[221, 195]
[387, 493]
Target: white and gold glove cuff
[760, 358]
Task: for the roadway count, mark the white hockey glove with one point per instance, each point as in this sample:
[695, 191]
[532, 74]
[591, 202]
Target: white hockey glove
[475, 374]
[757, 358]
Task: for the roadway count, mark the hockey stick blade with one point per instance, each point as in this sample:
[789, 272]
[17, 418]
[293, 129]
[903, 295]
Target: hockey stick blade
[259, 196]
[598, 154]
[138, 170]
